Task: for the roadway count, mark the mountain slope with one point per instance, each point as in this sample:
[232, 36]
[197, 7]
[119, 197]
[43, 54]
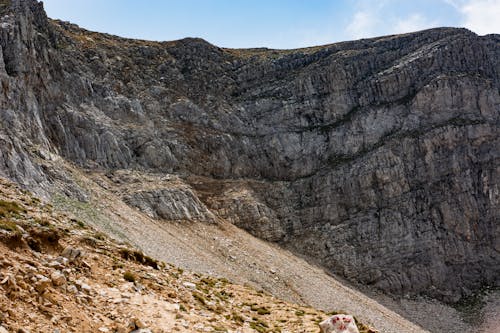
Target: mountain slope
[57, 273]
[377, 159]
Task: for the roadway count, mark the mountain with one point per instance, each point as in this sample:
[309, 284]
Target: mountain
[375, 159]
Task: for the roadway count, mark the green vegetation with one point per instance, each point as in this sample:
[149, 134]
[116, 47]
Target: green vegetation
[139, 257]
[129, 276]
[260, 310]
[7, 225]
[237, 318]
[199, 297]
[300, 313]
[10, 208]
[259, 325]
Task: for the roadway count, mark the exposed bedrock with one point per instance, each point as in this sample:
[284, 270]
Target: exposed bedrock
[378, 158]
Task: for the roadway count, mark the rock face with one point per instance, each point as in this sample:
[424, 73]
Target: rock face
[378, 158]
[171, 204]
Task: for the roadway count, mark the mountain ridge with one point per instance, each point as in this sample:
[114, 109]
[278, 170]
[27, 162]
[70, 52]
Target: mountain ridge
[378, 158]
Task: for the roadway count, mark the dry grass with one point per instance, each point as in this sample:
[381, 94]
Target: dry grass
[129, 276]
[8, 225]
[10, 208]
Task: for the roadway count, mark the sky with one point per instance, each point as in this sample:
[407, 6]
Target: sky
[280, 24]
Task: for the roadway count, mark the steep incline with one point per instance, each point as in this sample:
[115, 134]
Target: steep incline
[378, 158]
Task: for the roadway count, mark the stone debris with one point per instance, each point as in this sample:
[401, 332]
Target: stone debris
[61, 293]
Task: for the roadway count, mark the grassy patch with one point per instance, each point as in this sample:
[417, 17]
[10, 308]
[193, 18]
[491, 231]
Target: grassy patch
[139, 257]
[300, 313]
[260, 310]
[129, 276]
[237, 318]
[7, 225]
[199, 297]
[259, 325]
[10, 208]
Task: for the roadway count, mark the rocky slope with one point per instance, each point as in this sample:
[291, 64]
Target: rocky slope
[58, 274]
[377, 158]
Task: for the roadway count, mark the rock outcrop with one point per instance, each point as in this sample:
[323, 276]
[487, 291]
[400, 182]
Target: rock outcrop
[378, 158]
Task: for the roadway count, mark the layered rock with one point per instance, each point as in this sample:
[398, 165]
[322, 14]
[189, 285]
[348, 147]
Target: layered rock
[378, 158]
[174, 204]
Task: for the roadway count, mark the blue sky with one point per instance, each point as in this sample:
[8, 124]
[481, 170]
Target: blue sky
[274, 23]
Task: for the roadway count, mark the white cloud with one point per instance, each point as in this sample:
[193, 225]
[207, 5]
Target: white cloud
[482, 16]
[414, 22]
[364, 24]
[375, 21]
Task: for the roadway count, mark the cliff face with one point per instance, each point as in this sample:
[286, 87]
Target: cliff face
[378, 158]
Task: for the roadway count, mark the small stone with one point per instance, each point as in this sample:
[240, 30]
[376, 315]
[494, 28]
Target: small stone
[103, 329]
[58, 279]
[83, 286]
[189, 285]
[42, 284]
[86, 265]
[139, 323]
[56, 264]
[62, 260]
[3, 330]
[72, 253]
[72, 289]
[199, 326]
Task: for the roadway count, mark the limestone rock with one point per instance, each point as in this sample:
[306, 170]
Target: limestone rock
[176, 204]
[42, 284]
[72, 253]
[377, 158]
[58, 279]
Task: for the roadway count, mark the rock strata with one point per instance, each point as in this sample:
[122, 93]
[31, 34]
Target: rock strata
[378, 158]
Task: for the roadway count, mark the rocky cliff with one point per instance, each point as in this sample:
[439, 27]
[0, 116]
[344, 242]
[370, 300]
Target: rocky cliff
[378, 158]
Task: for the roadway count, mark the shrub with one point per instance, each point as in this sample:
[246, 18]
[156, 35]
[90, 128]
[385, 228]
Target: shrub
[129, 276]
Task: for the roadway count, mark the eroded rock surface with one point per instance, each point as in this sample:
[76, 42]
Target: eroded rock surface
[378, 158]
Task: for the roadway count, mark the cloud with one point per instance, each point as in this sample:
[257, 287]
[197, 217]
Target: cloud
[414, 22]
[482, 16]
[363, 24]
[376, 19]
